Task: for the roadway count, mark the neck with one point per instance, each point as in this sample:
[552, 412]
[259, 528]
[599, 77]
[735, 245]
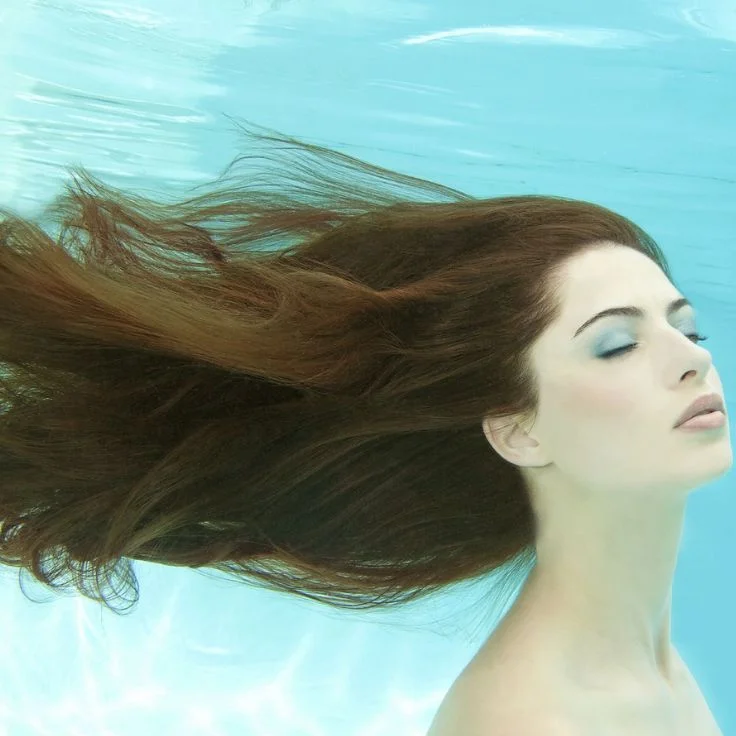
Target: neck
[602, 588]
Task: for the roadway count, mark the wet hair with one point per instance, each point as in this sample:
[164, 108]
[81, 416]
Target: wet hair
[282, 378]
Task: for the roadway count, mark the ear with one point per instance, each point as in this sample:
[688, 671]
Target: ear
[512, 438]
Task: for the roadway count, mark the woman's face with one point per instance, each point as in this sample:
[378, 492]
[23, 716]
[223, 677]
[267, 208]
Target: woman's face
[605, 422]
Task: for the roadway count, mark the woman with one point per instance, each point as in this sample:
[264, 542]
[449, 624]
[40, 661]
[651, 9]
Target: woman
[360, 387]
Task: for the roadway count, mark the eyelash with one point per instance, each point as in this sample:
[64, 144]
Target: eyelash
[627, 348]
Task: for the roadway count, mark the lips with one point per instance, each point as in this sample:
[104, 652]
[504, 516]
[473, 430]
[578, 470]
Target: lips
[702, 405]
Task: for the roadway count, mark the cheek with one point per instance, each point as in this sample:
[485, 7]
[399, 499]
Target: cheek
[591, 433]
[598, 403]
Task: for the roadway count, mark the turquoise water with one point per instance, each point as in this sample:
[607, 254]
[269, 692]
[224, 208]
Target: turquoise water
[630, 105]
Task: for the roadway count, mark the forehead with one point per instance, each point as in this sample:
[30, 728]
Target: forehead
[609, 268]
[606, 276]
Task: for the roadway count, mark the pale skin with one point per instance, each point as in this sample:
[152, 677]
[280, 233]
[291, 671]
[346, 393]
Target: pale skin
[609, 479]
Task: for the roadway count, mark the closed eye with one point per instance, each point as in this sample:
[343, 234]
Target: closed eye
[627, 348]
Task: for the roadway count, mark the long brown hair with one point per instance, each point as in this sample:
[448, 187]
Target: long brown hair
[282, 379]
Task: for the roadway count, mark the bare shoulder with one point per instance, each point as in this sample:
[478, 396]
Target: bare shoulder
[474, 706]
[527, 700]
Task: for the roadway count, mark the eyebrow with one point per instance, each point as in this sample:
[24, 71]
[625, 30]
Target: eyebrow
[631, 312]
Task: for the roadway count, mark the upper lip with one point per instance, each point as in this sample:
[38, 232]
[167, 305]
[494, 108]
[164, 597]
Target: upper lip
[707, 402]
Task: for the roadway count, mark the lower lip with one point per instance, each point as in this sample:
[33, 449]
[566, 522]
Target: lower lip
[705, 421]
